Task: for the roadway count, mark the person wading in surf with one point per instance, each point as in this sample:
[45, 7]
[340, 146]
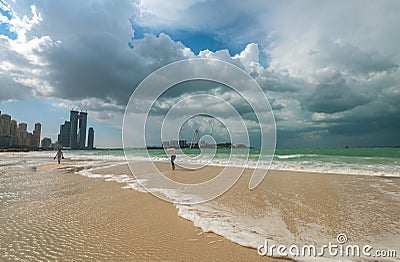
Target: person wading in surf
[172, 151]
[59, 156]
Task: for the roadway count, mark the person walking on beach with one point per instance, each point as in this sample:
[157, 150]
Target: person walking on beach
[59, 156]
[172, 151]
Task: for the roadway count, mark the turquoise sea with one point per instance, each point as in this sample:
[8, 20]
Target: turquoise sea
[382, 161]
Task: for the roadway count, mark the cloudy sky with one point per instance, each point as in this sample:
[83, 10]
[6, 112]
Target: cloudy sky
[330, 69]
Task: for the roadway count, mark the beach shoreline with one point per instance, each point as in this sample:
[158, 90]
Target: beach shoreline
[286, 208]
[312, 207]
[85, 218]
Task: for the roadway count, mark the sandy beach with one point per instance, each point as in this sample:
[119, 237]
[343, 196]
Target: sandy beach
[71, 217]
[60, 215]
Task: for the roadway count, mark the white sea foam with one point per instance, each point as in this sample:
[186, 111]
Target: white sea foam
[235, 226]
[294, 156]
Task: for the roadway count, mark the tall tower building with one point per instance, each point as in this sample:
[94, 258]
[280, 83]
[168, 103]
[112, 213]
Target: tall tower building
[65, 133]
[73, 138]
[73, 132]
[22, 134]
[5, 131]
[35, 142]
[14, 132]
[14, 127]
[82, 130]
[5, 125]
[90, 138]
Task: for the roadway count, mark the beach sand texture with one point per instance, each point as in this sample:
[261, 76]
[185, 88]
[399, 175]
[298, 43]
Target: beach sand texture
[59, 215]
[55, 214]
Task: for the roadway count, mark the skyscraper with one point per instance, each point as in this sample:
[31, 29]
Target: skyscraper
[23, 135]
[73, 133]
[16, 135]
[90, 138]
[73, 138]
[82, 130]
[5, 125]
[35, 142]
[65, 132]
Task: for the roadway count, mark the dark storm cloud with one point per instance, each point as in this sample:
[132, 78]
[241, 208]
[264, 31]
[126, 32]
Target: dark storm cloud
[349, 58]
[14, 90]
[334, 96]
[277, 82]
[189, 89]
[102, 66]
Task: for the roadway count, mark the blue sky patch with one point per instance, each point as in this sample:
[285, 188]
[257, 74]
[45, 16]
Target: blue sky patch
[4, 30]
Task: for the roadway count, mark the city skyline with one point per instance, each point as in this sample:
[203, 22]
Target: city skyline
[16, 135]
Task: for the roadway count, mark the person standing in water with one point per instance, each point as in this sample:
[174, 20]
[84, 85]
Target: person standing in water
[59, 156]
[172, 151]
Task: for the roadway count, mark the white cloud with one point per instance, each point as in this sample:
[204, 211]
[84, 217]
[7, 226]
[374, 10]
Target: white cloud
[165, 12]
[22, 25]
[3, 19]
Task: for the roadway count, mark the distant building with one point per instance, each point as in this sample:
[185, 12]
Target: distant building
[23, 135]
[82, 130]
[73, 132]
[90, 138]
[35, 141]
[174, 143]
[182, 143]
[5, 131]
[5, 125]
[65, 132]
[73, 138]
[46, 142]
[5, 141]
[55, 145]
[13, 134]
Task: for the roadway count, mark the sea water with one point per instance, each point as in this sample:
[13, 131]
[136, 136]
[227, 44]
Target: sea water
[357, 161]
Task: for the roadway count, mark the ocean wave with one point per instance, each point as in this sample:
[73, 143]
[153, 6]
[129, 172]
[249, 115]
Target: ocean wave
[294, 156]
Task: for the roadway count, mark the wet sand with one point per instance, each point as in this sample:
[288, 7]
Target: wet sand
[59, 215]
[63, 216]
[314, 207]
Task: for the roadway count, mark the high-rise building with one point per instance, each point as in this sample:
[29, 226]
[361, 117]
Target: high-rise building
[23, 126]
[73, 133]
[65, 133]
[35, 141]
[46, 142]
[13, 134]
[23, 135]
[5, 141]
[29, 140]
[90, 138]
[5, 129]
[73, 138]
[82, 130]
[14, 127]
